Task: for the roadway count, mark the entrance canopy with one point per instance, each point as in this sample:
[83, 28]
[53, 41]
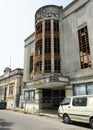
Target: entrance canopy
[48, 82]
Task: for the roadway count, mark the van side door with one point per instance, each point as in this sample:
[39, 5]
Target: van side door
[78, 109]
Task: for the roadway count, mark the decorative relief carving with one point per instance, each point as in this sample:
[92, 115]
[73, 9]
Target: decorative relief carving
[44, 11]
[43, 14]
[57, 15]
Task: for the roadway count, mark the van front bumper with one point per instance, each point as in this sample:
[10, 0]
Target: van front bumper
[60, 115]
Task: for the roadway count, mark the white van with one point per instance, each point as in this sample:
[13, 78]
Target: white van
[77, 108]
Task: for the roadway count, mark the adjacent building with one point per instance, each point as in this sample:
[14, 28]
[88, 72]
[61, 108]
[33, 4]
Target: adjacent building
[11, 84]
[58, 59]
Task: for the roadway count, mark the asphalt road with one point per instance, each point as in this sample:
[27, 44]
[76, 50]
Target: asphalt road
[10, 120]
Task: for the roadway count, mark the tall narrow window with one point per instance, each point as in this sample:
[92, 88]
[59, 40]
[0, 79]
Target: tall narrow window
[56, 25]
[11, 89]
[84, 49]
[38, 67]
[57, 66]
[1, 90]
[38, 49]
[56, 47]
[39, 28]
[31, 67]
[47, 26]
[47, 46]
[47, 66]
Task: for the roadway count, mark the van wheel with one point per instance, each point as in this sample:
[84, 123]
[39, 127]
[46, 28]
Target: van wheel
[91, 123]
[66, 119]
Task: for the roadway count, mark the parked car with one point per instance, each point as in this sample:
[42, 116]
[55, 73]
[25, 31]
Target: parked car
[77, 108]
[3, 104]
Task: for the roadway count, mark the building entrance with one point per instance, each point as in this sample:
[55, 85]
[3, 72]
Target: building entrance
[51, 98]
[57, 97]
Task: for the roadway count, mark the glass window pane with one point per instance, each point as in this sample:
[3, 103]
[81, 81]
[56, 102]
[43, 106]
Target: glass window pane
[30, 95]
[90, 88]
[11, 89]
[80, 101]
[26, 95]
[79, 89]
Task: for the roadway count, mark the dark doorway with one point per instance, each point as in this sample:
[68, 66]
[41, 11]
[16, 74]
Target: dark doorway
[51, 98]
[5, 94]
[58, 96]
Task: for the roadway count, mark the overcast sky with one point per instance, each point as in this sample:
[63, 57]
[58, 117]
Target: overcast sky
[16, 24]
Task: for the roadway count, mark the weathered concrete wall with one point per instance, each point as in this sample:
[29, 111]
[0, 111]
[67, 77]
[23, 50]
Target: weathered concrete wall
[70, 24]
[29, 49]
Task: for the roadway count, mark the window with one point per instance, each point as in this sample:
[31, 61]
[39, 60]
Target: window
[39, 28]
[90, 88]
[56, 25]
[84, 49]
[11, 88]
[83, 89]
[56, 45]
[31, 68]
[38, 47]
[79, 101]
[38, 55]
[47, 65]
[26, 95]
[2, 90]
[29, 95]
[47, 45]
[38, 66]
[79, 89]
[31, 64]
[47, 26]
[57, 65]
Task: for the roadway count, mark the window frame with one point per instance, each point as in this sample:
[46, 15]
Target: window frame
[11, 89]
[84, 48]
[29, 95]
[87, 86]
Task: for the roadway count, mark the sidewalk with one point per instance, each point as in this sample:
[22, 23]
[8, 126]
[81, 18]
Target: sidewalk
[48, 113]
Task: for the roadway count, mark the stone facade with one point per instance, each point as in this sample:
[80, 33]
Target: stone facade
[11, 84]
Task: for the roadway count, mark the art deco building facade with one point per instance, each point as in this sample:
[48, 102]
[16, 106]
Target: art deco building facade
[58, 58]
[11, 84]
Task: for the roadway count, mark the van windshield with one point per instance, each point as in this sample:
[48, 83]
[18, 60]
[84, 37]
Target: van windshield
[66, 101]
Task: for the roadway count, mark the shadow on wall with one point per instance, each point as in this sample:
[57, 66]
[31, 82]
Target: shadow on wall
[4, 125]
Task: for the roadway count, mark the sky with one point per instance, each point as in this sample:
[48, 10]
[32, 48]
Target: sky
[17, 22]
